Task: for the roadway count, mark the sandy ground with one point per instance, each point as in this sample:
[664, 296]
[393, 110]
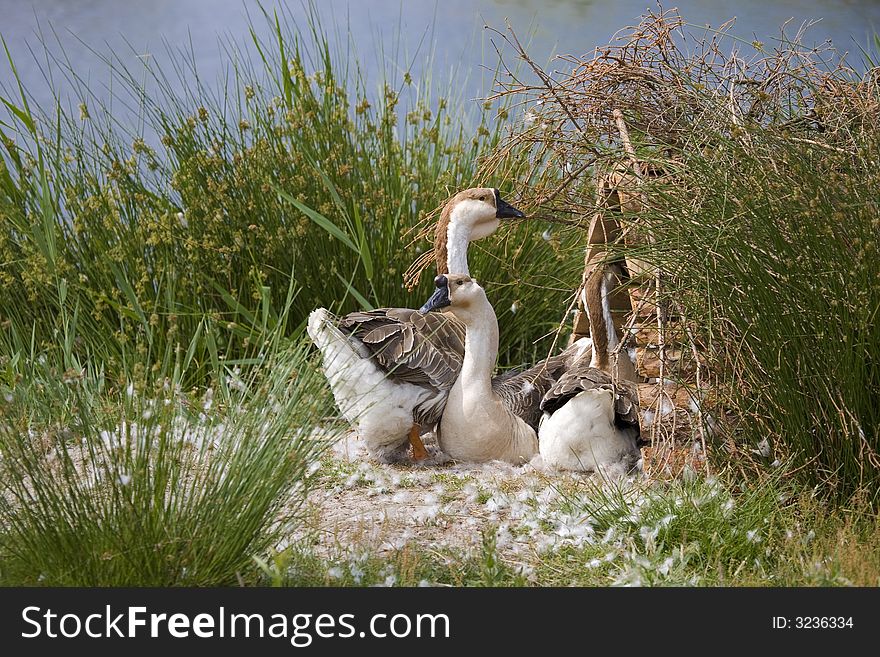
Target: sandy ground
[437, 502]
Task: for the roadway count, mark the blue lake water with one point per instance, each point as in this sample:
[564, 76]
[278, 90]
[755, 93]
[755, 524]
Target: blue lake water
[409, 31]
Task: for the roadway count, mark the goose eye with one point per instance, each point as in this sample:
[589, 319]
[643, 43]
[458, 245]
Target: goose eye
[459, 282]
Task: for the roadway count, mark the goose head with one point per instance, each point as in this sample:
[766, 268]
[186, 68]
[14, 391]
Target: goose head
[480, 210]
[458, 292]
[469, 215]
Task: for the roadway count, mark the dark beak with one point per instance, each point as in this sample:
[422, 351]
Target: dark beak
[440, 298]
[505, 210]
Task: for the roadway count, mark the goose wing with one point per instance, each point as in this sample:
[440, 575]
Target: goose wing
[424, 350]
[581, 377]
[523, 391]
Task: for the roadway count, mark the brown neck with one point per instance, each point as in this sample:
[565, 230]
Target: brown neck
[596, 316]
[441, 254]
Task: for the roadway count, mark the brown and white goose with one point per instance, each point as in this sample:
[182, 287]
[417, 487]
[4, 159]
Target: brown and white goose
[591, 414]
[391, 369]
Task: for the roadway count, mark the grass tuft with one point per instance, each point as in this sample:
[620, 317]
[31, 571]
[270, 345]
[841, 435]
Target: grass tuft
[110, 487]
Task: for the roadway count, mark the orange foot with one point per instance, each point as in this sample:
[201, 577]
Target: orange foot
[419, 452]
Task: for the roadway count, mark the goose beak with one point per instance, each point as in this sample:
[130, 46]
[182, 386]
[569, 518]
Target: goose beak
[504, 210]
[440, 298]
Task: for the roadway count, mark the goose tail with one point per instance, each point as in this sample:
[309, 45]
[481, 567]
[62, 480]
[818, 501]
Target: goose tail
[321, 328]
[358, 386]
[341, 361]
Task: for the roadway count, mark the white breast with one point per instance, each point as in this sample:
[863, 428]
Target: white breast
[485, 432]
[581, 436]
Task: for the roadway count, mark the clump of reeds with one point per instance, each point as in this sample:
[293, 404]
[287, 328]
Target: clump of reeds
[744, 177]
[152, 484]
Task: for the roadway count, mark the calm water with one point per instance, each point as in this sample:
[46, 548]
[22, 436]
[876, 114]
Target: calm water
[454, 27]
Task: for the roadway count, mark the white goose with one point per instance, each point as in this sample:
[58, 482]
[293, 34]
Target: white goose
[591, 419]
[391, 369]
[477, 424]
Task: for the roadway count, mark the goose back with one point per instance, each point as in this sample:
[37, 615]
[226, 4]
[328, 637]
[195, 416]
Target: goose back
[523, 391]
[581, 377]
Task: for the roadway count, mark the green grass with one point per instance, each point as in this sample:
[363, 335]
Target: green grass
[154, 487]
[780, 272]
[714, 533]
[412, 565]
[144, 482]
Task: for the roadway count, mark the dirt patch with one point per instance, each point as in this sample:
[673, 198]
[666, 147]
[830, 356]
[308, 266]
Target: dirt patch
[359, 505]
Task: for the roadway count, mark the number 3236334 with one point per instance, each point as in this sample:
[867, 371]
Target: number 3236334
[812, 622]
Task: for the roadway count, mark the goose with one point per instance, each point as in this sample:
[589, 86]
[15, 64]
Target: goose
[390, 369]
[477, 424]
[590, 416]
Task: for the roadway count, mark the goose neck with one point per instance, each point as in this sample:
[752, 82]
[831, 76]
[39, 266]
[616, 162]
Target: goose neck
[602, 330]
[480, 350]
[458, 235]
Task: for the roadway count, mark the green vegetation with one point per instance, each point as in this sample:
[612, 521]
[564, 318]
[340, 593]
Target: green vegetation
[755, 196]
[714, 533]
[779, 265]
[294, 177]
[151, 484]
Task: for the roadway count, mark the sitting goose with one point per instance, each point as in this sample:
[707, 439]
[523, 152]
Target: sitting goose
[477, 423]
[390, 369]
[591, 420]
